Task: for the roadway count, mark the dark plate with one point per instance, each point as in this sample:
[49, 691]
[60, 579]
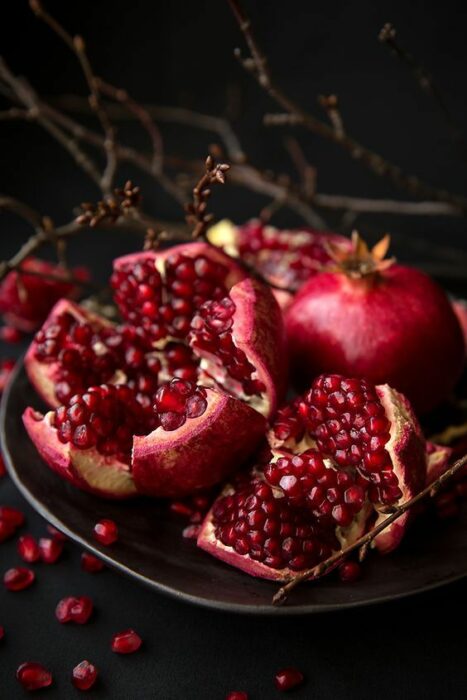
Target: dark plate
[151, 549]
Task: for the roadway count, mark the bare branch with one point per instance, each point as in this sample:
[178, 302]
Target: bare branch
[330, 104]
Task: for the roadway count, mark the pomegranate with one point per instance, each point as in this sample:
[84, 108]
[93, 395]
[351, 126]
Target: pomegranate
[77, 610]
[368, 317]
[12, 515]
[84, 675]
[28, 549]
[18, 579]
[50, 549]
[286, 258]
[126, 642]
[33, 676]
[26, 299]
[341, 454]
[106, 532]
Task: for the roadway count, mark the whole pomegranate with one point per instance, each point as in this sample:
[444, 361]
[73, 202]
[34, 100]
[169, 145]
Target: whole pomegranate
[27, 296]
[366, 316]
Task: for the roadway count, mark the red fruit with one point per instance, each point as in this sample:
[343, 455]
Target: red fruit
[380, 321]
[33, 676]
[84, 675]
[288, 678]
[50, 549]
[26, 299]
[7, 530]
[18, 579]
[56, 534]
[10, 335]
[11, 515]
[77, 610]
[237, 695]
[369, 433]
[28, 549]
[126, 642]
[91, 564]
[287, 258]
[106, 532]
[2, 466]
[350, 571]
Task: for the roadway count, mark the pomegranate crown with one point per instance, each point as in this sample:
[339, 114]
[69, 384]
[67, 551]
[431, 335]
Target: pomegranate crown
[360, 260]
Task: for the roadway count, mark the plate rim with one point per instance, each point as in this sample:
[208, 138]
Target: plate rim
[174, 593]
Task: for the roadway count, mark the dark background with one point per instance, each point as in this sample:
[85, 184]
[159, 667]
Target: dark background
[180, 53]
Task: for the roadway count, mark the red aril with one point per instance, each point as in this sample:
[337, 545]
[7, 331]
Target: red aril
[56, 534]
[11, 515]
[288, 678]
[2, 632]
[106, 532]
[350, 571]
[237, 695]
[7, 530]
[10, 335]
[370, 318]
[28, 549]
[18, 579]
[33, 676]
[2, 466]
[126, 642]
[51, 549]
[91, 564]
[72, 609]
[84, 675]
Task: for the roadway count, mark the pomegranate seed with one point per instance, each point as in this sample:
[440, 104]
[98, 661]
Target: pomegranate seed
[56, 534]
[77, 610]
[28, 549]
[50, 549]
[180, 508]
[191, 532]
[33, 676]
[10, 335]
[350, 571]
[12, 515]
[288, 678]
[7, 530]
[106, 532]
[84, 675]
[2, 466]
[126, 642]
[90, 563]
[18, 579]
[237, 695]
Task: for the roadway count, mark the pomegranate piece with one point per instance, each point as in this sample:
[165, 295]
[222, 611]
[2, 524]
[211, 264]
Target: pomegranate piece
[11, 515]
[288, 678]
[369, 318]
[26, 299]
[33, 676]
[237, 695]
[84, 675]
[350, 571]
[106, 532]
[50, 549]
[126, 642]
[18, 579]
[71, 609]
[287, 258]
[28, 549]
[7, 530]
[91, 564]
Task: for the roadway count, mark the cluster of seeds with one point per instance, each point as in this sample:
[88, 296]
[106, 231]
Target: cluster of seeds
[256, 522]
[348, 421]
[105, 417]
[211, 334]
[165, 307]
[331, 494]
[178, 400]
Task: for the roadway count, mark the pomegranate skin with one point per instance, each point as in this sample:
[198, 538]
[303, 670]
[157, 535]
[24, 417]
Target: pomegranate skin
[396, 327]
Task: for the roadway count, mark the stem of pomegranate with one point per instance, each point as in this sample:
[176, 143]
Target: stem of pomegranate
[428, 492]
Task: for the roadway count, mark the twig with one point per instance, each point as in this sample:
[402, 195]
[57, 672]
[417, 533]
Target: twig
[330, 104]
[257, 65]
[77, 46]
[428, 492]
[426, 82]
[197, 215]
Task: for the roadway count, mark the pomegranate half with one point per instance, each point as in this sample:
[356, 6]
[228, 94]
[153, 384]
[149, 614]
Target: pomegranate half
[371, 318]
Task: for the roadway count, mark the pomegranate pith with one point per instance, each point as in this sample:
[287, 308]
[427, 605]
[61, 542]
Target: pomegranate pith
[84, 675]
[288, 678]
[106, 532]
[18, 579]
[33, 676]
[126, 642]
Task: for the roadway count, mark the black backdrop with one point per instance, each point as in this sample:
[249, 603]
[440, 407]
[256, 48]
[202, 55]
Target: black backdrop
[181, 53]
